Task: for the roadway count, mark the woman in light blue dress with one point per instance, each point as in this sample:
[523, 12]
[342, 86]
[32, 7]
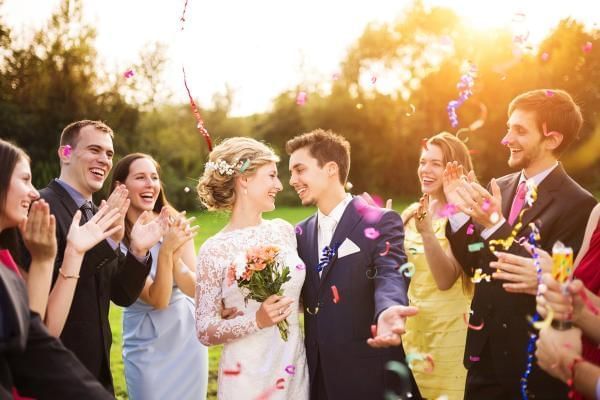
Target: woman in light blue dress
[162, 356]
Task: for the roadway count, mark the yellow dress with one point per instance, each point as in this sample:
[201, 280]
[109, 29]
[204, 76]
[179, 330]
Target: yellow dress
[438, 329]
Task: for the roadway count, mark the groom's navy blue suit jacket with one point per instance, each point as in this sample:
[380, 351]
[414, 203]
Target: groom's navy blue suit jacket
[368, 282]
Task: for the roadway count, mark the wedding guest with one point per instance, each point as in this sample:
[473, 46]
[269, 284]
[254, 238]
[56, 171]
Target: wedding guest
[443, 299]
[86, 152]
[162, 357]
[31, 360]
[541, 125]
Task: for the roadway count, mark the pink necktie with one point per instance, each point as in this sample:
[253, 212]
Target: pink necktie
[518, 203]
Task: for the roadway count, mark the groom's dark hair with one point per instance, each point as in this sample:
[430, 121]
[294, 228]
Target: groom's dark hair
[324, 146]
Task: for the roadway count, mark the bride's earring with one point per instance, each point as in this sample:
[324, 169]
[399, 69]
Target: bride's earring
[245, 191]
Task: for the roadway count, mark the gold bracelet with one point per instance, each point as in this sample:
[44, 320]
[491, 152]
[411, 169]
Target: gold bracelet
[60, 271]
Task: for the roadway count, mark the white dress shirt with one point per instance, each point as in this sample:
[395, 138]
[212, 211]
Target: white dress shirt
[328, 223]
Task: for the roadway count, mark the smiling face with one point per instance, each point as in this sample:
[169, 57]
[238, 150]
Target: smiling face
[20, 195]
[524, 140]
[90, 161]
[307, 178]
[263, 187]
[143, 184]
[431, 168]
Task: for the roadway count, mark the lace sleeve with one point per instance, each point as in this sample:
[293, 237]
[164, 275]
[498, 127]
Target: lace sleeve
[286, 232]
[211, 329]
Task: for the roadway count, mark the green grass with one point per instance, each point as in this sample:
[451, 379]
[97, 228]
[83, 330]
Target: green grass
[210, 224]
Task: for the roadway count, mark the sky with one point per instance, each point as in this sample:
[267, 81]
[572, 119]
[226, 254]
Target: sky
[261, 48]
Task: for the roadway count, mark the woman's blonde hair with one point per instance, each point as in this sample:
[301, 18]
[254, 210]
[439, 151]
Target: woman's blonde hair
[233, 157]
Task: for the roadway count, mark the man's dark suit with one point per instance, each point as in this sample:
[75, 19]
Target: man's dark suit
[560, 213]
[32, 360]
[105, 275]
[339, 359]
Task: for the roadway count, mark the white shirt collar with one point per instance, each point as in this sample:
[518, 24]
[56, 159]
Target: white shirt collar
[337, 211]
[538, 178]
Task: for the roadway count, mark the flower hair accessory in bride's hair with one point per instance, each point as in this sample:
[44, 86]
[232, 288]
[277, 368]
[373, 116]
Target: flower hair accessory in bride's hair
[224, 168]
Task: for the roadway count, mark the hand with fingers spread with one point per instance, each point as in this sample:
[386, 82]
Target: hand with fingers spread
[82, 238]
[147, 231]
[484, 208]
[452, 179]
[38, 231]
[118, 200]
[391, 326]
[273, 310]
[519, 272]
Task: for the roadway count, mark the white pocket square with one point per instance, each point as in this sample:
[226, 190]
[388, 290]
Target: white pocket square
[347, 247]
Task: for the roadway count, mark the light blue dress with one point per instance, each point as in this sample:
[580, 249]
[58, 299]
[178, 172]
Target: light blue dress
[162, 356]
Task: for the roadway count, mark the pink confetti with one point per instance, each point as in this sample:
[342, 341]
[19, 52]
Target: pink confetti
[335, 76]
[485, 206]
[67, 150]
[474, 327]
[279, 384]
[233, 372]
[298, 230]
[373, 79]
[301, 98]
[474, 358]
[587, 47]
[290, 369]
[387, 249]
[336, 295]
[128, 74]
[470, 229]
[504, 142]
[545, 56]
[371, 233]
[182, 19]
[300, 267]
[448, 210]
[371, 214]
[549, 93]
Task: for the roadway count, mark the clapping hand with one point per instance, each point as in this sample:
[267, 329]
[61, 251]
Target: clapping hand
[82, 238]
[178, 233]
[38, 231]
[470, 197]
[147, 231]
[422, 216]
[391, 325]
[118, 200]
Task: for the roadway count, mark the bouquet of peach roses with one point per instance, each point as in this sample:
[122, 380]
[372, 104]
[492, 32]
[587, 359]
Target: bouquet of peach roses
[259, 274]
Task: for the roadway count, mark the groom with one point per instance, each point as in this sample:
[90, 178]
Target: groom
[352, 254]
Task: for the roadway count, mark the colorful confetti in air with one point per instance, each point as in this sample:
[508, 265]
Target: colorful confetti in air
[464, 86]
[387, 249]
[67, 150]
[301, 98]
[128, 74]
[335, 294]
[199, 120]
[371, 233]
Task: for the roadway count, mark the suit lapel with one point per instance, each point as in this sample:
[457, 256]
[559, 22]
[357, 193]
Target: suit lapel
[66, 200]
[508, 191]
[310, 245]
[350, 218]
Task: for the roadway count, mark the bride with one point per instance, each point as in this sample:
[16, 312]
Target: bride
[241, 177]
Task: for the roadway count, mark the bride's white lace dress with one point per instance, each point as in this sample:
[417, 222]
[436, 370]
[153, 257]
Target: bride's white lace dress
[254, 362]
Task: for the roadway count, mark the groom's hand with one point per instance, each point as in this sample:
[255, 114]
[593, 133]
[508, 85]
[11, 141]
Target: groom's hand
[391, 326]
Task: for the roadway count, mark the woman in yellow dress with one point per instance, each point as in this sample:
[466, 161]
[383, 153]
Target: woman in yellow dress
[439, 329]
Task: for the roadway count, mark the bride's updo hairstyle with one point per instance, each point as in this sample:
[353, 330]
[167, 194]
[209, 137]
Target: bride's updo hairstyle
[233, 157]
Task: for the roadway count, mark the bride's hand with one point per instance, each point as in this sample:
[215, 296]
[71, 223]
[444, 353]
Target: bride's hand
[273, 310]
